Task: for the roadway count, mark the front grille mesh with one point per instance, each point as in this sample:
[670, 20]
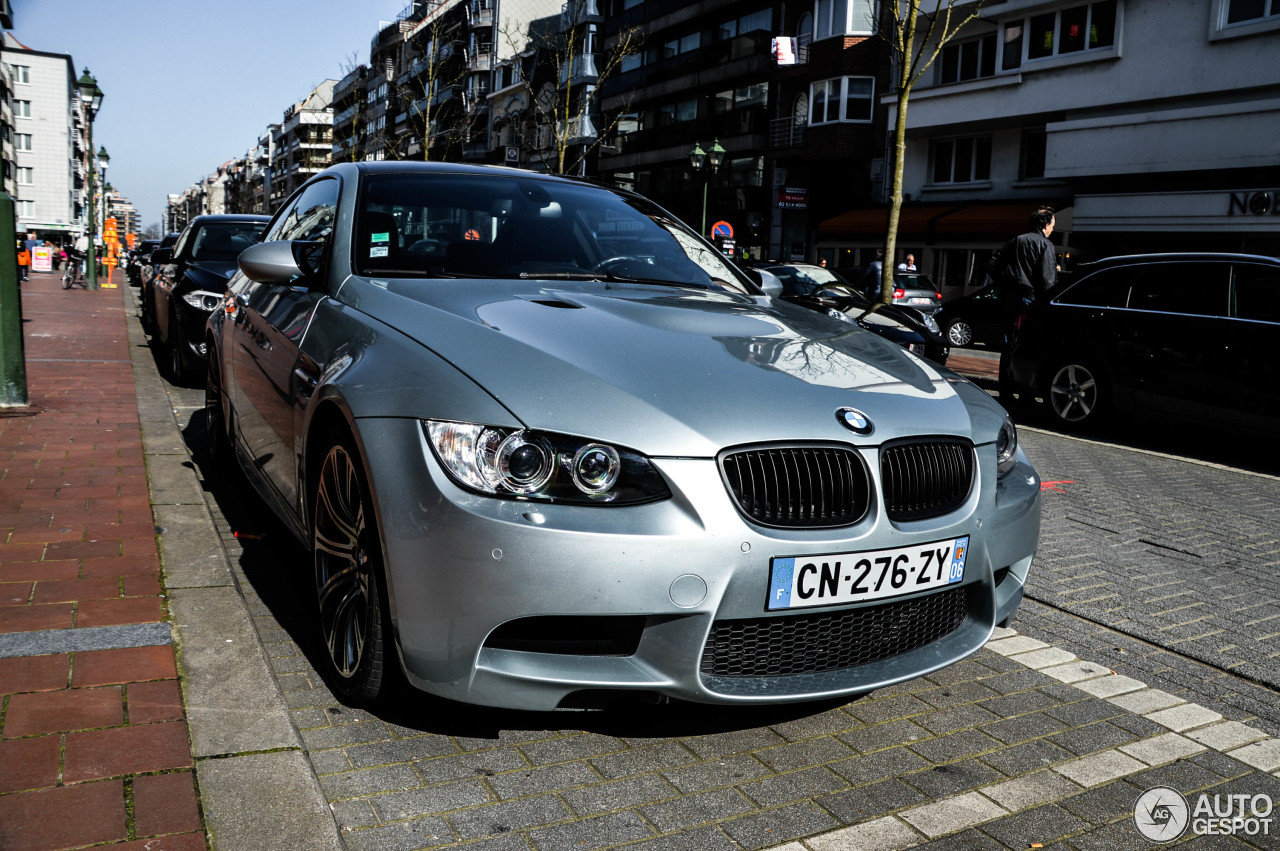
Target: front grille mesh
[925, 479]
[799, 486]
[830, 641]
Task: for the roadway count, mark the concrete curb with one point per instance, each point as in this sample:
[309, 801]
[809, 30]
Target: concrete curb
[257, 786]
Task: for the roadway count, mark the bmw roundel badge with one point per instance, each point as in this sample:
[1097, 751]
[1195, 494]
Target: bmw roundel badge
[854, 420]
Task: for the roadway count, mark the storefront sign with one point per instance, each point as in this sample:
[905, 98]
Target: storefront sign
[1261, 203]
[793, 198]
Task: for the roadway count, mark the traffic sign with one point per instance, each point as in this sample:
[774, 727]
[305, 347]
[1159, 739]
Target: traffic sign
[723, 230]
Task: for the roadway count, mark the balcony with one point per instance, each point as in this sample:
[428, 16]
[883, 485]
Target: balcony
[480, 60]
[785, 133]
[479, 15]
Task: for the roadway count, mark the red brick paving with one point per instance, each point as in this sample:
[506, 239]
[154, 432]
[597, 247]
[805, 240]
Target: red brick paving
[84, 733]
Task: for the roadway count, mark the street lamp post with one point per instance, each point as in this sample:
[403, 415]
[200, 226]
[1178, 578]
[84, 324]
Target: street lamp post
[91, 98]
[698, 158]
[104, 160]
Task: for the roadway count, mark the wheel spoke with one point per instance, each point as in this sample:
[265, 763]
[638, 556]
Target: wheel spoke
[342, 567]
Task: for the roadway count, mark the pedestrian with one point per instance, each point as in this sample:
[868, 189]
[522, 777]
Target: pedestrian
[822, 261]
[24, 263]
[873, 278]
[1026, 268]
[908, 265]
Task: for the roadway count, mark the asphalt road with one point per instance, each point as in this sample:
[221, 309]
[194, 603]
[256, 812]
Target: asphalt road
[1157, 560]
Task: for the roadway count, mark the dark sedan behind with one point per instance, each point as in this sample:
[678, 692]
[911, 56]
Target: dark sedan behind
[189, 282]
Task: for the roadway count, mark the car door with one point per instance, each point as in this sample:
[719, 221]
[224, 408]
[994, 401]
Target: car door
[161, 287]
[270, 386]
[1250, 387]
[988, 315]
[1172, 340]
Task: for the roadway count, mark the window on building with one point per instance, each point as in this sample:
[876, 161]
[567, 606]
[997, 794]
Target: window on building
[968, 60]
[963, 160]
[22, 141]
[675, 47]
[1032, 155]
[25, 209]
[843, 17]
[631, 62]
[630, 4]
[755, 94]
[841, 99]
[1242, 11]
[1077, 29]
[22, 109]
[746, 171]
[20, 73]
[26, 176]
[723, 102]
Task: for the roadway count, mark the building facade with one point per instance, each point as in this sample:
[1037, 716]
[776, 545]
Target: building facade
[51, 158]
[1149, 125]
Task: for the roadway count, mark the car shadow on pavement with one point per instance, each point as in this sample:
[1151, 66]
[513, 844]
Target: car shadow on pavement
[277, 567]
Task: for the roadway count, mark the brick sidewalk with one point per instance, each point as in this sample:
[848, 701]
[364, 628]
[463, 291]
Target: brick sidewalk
[94, 744]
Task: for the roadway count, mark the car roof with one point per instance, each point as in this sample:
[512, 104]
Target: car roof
[1176, 257]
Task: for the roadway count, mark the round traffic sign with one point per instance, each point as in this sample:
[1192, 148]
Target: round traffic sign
[723, 229]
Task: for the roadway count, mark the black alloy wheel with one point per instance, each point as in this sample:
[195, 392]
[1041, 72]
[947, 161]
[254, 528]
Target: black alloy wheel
[1075, 395]
[959, 333]
[347, 555]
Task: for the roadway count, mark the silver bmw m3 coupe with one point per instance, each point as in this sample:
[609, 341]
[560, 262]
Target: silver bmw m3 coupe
[541, 439]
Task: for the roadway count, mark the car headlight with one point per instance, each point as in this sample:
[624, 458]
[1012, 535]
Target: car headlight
[931, 323]
[203, 300]
[523, 464]
[1006, 447]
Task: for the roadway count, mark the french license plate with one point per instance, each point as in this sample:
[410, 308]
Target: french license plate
[798, 582]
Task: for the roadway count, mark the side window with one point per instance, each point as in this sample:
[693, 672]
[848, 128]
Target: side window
[1108, 288]
[1255, 293]
[313, 214]
[1191, 288]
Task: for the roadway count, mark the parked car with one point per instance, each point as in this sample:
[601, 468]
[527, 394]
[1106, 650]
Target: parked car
[577, 450]
[911, 289]
[189, 282]
[983, 316]
[1190, 337]
[147, 272]
[820, 289]
[138, 257]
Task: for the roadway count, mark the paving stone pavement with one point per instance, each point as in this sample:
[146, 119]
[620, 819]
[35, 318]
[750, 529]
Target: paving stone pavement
[1046, 737]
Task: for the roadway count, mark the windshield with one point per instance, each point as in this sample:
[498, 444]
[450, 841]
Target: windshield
[224, 240]
[495, 226]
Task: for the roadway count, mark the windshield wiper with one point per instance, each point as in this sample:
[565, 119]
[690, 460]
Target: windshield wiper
[627, 279]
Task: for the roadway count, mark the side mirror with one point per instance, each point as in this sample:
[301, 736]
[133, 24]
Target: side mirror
[161, 255]
[279, 262]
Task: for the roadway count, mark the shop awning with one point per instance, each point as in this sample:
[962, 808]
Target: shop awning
[929, 221]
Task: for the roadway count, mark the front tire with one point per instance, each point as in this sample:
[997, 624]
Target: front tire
[959, 333]
[1076, 396]
[347, 554]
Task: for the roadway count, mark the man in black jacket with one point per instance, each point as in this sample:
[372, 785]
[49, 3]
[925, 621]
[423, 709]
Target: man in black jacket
[1027, 265]
[1027, 268]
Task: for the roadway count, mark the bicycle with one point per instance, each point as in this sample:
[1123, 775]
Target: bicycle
[74, 273]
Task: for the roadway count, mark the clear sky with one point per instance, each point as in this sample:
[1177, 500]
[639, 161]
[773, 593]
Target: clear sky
[190, 84]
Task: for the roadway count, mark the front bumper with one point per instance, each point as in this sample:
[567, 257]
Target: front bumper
[461, 565]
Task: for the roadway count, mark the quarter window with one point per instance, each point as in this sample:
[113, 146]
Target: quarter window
[962, 160]
[1255, 294]
[841, 99]
[1078, 29]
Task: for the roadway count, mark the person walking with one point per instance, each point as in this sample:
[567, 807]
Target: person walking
[1026, 268]
[24, 262]
[873, 278]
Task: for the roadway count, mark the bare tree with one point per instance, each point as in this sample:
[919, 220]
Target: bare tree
[434, 67]
[916, 38]
[557, 64]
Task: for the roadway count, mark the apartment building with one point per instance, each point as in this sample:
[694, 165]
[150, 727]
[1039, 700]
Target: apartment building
[787, 92]
[1150, 125]
[50, 155]
[302, 143]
